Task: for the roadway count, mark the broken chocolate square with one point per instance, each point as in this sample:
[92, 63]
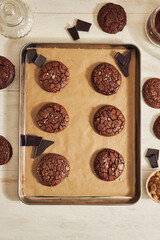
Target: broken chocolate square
[73, 32]
[32, 140]
[153, 161]
[32, 55]
[82, 25]
[42, 147]
[22, 140]
[123, 62]
[121, 59]
[40, 60]
[153, 155]
[128, 56]
[152, 151]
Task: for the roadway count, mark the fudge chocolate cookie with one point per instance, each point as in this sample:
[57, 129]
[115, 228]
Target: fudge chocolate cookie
[5, 151]
[108, 164]
[112, 18]
[156, 127]
[106, 79]
[108, 121]
[53, 169]
[54, 76]
[151, 92]
[52, 118]
[7, 72]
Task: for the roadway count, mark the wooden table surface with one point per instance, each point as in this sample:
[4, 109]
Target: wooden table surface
[20, 221]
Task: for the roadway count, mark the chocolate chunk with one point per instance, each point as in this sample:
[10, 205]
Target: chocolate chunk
[73, 32]
[153, 161]
[128, 56]
[40, 60]
[121, 59]
[123, 62]
[23, 140]
[123, 69]
[32, 55]
[151, 152]
[82, 25]
[42, 147]
[32, 140]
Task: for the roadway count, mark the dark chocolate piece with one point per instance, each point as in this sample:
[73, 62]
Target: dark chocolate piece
[83, 26]
[123, 69]
[151, 152]
[42, 147]
[153, 161]
[73, 32]
[32, 140]
[40, 60]
[32, 55]
[121, 59]
[123, 62]
[23, 140]
[128, 56]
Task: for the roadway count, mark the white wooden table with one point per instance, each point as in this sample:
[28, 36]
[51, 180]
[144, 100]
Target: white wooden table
[19, 221]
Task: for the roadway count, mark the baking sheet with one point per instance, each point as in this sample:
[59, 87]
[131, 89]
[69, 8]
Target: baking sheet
[79, 143]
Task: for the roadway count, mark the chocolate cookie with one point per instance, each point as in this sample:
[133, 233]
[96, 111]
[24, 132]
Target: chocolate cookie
[156, 127]
[108, 164]
[108, 121]
[151, 92]
[5, 151]
[53, 169]
[7, 72]
[52, 118]
[106, 79]
[54, 76]
[112, 18]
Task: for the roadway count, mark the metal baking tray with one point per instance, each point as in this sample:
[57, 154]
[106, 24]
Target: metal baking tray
[79, 199]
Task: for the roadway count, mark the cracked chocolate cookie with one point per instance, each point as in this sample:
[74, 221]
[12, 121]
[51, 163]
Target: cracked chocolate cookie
[53, 169]
[151, 92]
[108, 121]
[108, 164]
[106, 79]
[5, 150]
[112, 18]
[7, 72]
[52, 118]
[156, 127]
[53, 76]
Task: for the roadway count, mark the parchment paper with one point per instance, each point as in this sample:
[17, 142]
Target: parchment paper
[79, 143]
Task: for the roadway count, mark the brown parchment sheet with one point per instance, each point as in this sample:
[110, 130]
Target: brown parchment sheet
[79, 143]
